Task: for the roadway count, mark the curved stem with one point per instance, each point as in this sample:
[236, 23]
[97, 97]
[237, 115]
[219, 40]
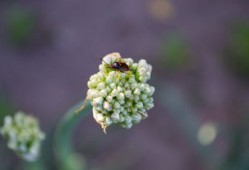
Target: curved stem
[63, 150]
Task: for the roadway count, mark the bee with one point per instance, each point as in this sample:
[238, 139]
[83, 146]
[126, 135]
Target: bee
[118, 66]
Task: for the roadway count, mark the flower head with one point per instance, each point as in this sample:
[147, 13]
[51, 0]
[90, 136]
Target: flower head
[23, 135]
[120, 97]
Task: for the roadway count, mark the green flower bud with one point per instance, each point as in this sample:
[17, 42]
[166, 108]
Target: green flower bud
[23, 135]
[120, 95]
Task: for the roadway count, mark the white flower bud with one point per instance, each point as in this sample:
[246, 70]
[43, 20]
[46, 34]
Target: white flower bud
[97, 101]
[116, 105]
[107, 106]
[121, 96]
[99, 117]
[115, 117]
[101, 86]
[112, 85]
[137, 91]
[128, 94]
[108, 121]
[140, 105]
[114, 92]
[134, 66]
[91, 93]
[103, 92]
[128, 61]
[136, 118]
[121, 102]
[119, 89]
[109, 99]
[136, 98]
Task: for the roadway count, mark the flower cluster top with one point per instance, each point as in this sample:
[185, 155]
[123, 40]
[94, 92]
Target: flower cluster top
[118, 96]
[23, 135]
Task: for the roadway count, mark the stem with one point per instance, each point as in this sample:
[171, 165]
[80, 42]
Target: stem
[66, 158]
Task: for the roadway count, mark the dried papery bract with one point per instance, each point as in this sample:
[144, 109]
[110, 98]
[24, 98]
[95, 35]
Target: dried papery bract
[120, 97]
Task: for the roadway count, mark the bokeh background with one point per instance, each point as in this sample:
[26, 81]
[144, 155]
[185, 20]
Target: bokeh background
[200, 55]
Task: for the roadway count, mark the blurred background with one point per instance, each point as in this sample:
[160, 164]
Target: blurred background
[200, 56]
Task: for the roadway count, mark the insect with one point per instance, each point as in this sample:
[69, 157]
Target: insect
[118, 66]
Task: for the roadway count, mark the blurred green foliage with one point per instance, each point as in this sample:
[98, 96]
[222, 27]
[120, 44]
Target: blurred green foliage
[20, 25]
[238, 50]
[173, 53]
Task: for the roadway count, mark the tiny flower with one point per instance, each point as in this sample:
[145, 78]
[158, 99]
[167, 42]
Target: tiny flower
[119, 94]
[23, 135]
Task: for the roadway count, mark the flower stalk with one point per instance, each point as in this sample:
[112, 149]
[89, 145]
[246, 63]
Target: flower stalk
[66, 158]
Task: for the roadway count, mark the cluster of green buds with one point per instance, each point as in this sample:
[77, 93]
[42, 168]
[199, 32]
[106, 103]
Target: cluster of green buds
[120, 95]
[23, 135]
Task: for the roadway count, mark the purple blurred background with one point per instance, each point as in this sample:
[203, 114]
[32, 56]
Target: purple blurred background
[49, 49]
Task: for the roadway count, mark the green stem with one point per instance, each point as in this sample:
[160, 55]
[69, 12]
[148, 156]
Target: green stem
[66, 158]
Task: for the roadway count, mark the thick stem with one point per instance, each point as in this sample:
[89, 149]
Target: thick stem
[66, 158]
